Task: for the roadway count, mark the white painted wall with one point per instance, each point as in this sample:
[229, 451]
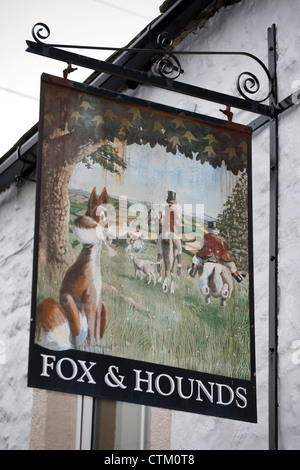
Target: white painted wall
[240, 27]
[243, 27]
[16, 251]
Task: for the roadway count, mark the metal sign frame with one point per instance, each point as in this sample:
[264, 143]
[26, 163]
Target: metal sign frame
[268, 114]
[132, 370]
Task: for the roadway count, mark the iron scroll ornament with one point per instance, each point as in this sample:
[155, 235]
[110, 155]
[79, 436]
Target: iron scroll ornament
[168, 64]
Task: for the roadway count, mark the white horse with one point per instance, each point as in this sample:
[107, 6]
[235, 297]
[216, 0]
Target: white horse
[215, 280]
[169, 251]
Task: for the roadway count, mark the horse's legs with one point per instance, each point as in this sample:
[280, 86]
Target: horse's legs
[175, 256]
[167, 258]
[179, 264]
[172, 283]
[178, 258]
[225, 291]
[203, 283]
[159, 260]
[167, 276]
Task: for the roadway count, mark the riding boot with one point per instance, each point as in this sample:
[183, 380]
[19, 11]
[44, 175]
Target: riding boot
[238, 277]
[192, 271]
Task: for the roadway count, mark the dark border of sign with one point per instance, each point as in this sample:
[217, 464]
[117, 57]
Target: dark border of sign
[145, 383]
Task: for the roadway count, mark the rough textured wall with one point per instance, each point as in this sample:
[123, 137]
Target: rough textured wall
[243, 27]
[16, 251]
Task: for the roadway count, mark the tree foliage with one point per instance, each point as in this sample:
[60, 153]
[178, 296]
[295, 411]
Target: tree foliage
[103, 120]
[233, 222]
[106, 156]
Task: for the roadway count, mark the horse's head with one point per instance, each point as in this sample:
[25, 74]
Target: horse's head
[155, 216]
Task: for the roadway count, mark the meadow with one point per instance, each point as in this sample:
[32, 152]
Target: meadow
[178, 329]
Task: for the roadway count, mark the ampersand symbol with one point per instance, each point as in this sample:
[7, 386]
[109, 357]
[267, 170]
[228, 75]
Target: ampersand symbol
[117, 380]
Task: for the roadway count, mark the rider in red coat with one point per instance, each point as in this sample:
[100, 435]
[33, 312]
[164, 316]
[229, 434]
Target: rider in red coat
[215, 249]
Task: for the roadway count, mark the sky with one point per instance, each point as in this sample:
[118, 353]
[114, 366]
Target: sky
[165, 172]
[109, 23]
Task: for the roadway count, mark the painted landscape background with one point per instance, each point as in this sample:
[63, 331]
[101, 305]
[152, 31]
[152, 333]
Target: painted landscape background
[177, 330]
[147, 324]
[142, 154]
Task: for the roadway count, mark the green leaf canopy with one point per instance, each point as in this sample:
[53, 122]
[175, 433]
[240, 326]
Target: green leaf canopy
[90, 116]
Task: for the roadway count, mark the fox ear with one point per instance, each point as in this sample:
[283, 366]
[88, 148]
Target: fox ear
[104, 198]
[93, 202]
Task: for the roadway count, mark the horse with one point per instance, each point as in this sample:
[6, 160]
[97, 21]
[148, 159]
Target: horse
[215, 280]
[169, 251]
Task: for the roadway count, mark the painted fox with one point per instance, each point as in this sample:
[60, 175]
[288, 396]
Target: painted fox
[81, 312]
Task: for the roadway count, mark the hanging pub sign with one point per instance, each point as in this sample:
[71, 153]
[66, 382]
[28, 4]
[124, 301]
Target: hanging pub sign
[143, 277]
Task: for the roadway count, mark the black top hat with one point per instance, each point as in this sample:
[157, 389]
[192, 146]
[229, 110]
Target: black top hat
[171, 199]
[212, 224]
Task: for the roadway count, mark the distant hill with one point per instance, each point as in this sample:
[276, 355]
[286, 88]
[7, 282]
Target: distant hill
[192, 231]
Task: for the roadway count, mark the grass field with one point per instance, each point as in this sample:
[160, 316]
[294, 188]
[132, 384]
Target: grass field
[177, 330]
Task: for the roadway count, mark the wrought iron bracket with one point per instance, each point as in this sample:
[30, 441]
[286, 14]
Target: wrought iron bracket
[168, 68]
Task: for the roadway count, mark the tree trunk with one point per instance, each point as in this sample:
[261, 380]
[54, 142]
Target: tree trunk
[60, 156]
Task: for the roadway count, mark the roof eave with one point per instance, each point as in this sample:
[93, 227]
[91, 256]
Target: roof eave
[21, 158]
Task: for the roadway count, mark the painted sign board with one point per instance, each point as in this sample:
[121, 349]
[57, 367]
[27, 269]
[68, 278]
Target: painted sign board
[143, 276]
